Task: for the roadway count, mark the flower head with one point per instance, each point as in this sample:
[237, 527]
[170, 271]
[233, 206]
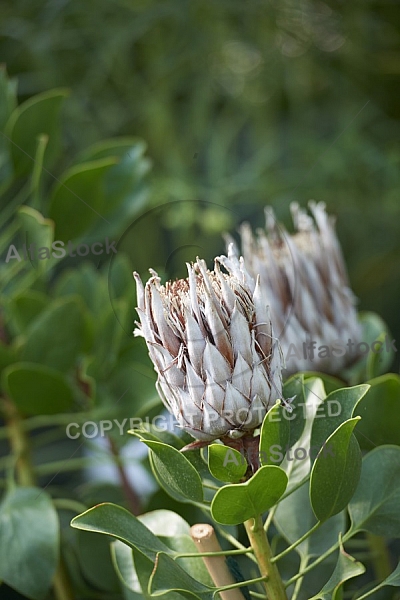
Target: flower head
[303, 278]
[210, 339]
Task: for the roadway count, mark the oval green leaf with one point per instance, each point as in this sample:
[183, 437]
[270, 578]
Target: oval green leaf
[225, 463]
[175, 473]
[336, 472]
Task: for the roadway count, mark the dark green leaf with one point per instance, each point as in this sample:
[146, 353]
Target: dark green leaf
[8, 96]
[375, 504]
[94, 561]
[57, 335]
[380, 412]
[175, 473]
[336, 472]
[295, 388]
[37, 115]
[39, 232]
[37, 389]
[29, 534]
[25, 308]
[114, 520]
[79, 201]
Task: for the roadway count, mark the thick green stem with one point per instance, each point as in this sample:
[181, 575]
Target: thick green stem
[262, 551]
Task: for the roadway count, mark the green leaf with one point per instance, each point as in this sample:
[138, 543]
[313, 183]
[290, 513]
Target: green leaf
[380, 412]
[94, 561]
[175, 472]
[346, 568]
[330, 382]
[24, 308]
[122, 559]
[36, 116]
[36, 230]
[373, 363]
[169, 576]
[8, 96]
[123, 184]
[337, 408]
[393, 578]
[8, 102]
[275, 435]
[336, 472]
[295, 388]
[29, 533]
[56, 337]
[294, 517]
[234, 504]
[113, 520]
[165, 523]
[37, 389]
[225, 463]
[375, 504]
[79, 200]
[144, 568]
[299, 468]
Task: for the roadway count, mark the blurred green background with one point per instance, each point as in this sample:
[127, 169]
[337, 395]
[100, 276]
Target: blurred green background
[241, 103]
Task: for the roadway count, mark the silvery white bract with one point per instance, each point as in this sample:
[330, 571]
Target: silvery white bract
[303, 278]
[211, 342]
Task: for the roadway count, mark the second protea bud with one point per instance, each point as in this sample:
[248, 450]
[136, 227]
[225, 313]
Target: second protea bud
[211, 342]
[303, 278]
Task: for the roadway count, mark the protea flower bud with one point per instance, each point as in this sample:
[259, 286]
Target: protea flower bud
[211, 342]
[303, 278]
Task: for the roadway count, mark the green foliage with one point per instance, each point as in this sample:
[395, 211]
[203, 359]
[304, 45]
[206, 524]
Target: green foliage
[29, 533]
[65, 347]
[309, 517]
